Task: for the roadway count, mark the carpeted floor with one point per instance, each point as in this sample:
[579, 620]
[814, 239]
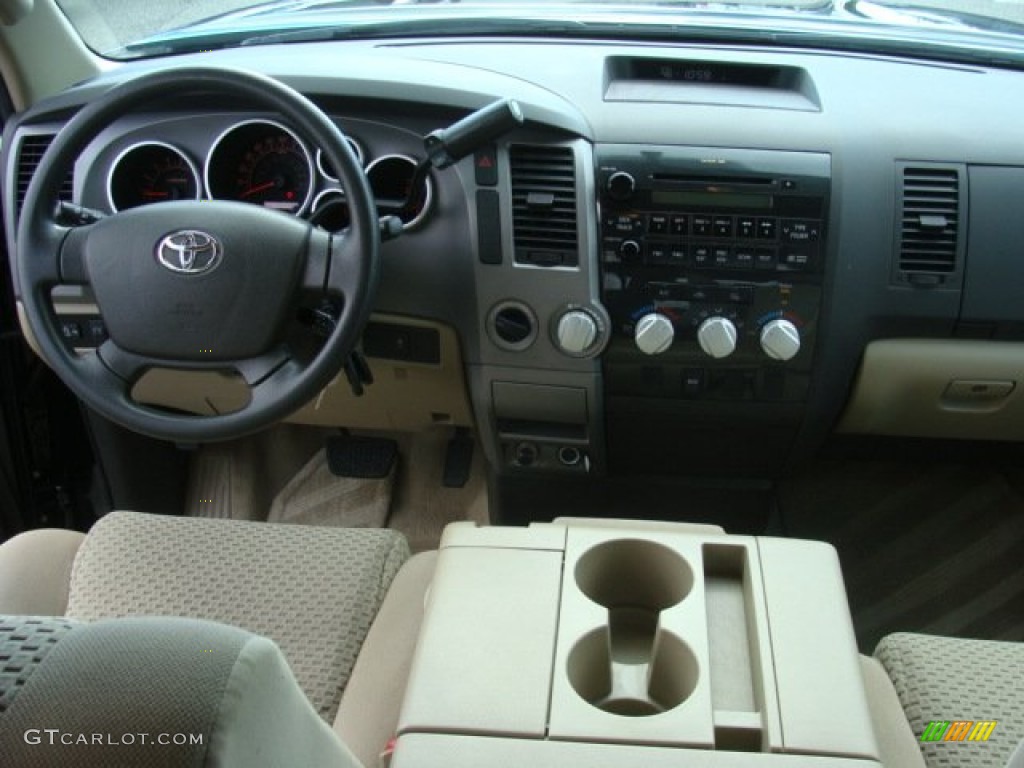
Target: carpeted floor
[933, 548]
[281, 476]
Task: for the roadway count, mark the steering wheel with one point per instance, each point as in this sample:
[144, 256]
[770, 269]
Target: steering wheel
[198, 285]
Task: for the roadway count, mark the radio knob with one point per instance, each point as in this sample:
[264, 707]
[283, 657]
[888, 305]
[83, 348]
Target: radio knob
[629, 251]
[717, 337]
[780, 340]
[653, 334]
[576, 332]
[620, 186]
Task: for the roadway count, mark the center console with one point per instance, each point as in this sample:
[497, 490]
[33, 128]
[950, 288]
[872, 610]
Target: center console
[628, 643]
[712, 266]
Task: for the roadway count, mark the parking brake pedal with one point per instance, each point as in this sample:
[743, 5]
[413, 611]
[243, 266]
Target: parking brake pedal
[363, 457]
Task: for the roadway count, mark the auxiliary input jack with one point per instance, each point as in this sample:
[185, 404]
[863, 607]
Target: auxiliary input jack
[569, 456]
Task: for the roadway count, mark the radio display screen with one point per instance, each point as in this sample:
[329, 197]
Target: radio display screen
[675, 197]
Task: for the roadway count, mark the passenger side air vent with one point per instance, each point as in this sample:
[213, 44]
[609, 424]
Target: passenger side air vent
[930, 236]
[544, 206]
[33, 147]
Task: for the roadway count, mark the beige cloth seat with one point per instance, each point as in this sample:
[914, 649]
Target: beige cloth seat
[947, 680]
[153, 692]
[314, 591]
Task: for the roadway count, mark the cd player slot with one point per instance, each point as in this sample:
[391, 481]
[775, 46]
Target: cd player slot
[691, 180]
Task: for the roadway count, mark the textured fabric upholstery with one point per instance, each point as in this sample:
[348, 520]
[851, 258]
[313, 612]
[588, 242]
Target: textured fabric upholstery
[35, 570]
[24, 643]
[159, 692]
[951, 679]
[314, 591]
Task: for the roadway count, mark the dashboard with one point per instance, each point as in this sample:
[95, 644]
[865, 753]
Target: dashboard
[691, 259]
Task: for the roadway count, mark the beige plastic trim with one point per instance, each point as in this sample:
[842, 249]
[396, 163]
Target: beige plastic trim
[41, 54]
[428, 750]
[403, 397]
[662, 635]
[939, 388]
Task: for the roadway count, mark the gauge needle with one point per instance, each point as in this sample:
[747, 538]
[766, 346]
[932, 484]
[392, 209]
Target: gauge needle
[148, 193]
[258, 188]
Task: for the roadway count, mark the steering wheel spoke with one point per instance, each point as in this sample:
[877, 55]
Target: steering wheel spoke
[71, 258]
[126, 366]
[257, 370]
[347, 273]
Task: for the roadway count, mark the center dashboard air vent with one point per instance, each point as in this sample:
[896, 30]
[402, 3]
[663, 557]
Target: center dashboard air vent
[930, 209]
[544, 206]
[30, 154]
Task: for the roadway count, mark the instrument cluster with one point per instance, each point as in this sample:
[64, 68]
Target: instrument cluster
[264, 163]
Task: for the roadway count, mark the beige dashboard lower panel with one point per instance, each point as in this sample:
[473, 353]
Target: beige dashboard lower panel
[403, 396]
[954, 388]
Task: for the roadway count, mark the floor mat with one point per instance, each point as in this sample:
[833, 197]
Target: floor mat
[316, 496]
[924, 547]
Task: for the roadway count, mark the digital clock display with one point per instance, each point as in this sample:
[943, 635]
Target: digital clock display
[685, 198]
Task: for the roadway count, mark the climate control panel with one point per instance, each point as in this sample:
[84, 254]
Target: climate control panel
[712, 264]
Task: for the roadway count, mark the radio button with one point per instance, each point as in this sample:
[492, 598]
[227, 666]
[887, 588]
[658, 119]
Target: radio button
[658, 253]
[764, 258]
[702, 226]
[746, 227]
[795, 259]
[657, 224]
[677, 255]
[680, 225]
[767, 229]
[744, 258]
[623, 224]
[723, 226]
[702, 256]
[797, 231]
[722, 257]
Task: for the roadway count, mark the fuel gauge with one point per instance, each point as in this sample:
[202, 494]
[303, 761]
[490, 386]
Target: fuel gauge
[152, 172]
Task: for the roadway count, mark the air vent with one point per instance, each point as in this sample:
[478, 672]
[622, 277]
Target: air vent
[33, 147]
[544, 206]
[930, 215]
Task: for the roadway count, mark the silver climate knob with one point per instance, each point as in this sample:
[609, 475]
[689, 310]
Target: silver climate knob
[780, 340]
[653, 334]
[576, 332]
[717, 337]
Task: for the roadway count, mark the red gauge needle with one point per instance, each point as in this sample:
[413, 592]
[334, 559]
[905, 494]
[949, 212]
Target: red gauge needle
[155, 194]
[258, 188]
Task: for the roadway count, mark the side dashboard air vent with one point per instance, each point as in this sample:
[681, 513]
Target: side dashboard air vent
[544, 205]
[931, 211]
[30, 154]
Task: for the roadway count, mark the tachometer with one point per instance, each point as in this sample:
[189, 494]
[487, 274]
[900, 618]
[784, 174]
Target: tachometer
[151, 172]
[263, 163]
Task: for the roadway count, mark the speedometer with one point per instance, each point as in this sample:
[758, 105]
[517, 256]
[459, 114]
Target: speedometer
[263, 163]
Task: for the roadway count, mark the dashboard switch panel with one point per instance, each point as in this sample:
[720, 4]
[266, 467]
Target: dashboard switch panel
[712, 270]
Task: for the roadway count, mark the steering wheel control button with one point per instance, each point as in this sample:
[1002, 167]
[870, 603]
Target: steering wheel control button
[717, 337]
[653, 334]
[71, 330]
[190, 252]
[780, 339]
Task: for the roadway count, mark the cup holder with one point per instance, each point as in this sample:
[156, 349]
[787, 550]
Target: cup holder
[634, 574]
[633, 667]
[632, 687]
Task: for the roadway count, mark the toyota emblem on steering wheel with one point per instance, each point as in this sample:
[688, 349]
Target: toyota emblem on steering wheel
[189, 252]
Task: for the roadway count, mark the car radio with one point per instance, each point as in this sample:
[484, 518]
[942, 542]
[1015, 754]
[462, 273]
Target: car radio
[712, 261]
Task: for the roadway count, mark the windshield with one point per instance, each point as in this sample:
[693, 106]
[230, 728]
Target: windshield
[127, 29]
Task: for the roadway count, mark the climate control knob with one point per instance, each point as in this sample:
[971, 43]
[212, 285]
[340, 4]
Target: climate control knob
[780, 339]
[653, 334]
[576, 332]
[717, 337]
[620, 186]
